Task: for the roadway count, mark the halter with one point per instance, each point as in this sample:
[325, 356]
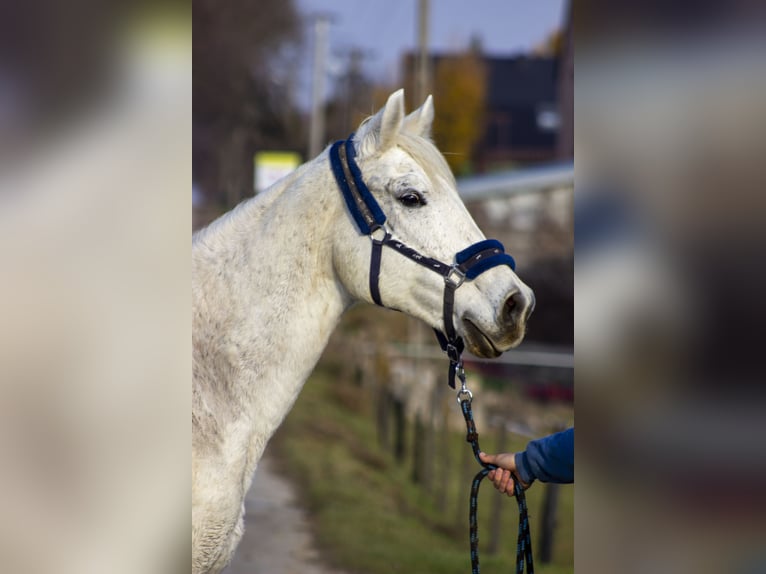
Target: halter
[370, 219]
[469, 264]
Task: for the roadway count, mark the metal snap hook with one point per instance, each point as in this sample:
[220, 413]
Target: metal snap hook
[464, 392]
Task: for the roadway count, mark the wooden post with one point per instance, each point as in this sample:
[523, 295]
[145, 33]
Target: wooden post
[317, 123]
[382, 395]
[443, 478]
[417, 451]
[430, 448]
[548, 522]
[383, 412]
[399, 430]
[548, 518]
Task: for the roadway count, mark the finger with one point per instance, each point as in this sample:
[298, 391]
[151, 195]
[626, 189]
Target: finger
[509, 487]
[488, 458]
[509, 482]
[491, 475]
[498, 480]
[505, 476]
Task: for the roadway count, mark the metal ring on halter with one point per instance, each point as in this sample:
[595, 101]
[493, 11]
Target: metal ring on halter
[462, 392]
[381, 228]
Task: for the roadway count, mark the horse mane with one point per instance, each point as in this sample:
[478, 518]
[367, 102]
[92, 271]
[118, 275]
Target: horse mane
[247, 210]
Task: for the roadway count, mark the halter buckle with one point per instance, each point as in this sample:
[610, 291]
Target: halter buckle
[454, 277]
[454, 355]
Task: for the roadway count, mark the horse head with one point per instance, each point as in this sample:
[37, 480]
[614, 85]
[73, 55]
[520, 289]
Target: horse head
[415, 189]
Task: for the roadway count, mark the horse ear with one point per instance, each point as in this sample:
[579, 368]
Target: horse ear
[379, 132]
[419, 122]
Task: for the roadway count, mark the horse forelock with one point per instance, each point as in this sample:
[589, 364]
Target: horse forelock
[427, 156]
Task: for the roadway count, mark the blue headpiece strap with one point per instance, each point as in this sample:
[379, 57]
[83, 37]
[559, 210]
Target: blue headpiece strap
[360, 202]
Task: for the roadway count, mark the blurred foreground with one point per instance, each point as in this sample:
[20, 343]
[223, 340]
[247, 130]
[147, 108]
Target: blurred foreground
[95, 172]
[669, 280]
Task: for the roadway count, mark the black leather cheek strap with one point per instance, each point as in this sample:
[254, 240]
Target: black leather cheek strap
[377, 254]
[375, 258]
[448, 309]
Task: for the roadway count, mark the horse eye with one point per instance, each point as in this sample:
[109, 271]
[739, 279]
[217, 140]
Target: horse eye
[412, 199]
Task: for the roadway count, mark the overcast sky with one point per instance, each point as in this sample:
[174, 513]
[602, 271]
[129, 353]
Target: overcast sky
[384, 29]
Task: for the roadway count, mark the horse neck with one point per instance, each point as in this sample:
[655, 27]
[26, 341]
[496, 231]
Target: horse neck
[266, 296]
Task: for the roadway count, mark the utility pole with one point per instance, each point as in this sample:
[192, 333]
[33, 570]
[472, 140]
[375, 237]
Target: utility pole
[356, 88]
[422, 83]
[317, 127]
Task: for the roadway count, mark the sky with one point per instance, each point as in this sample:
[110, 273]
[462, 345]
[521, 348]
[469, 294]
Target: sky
[386, 29]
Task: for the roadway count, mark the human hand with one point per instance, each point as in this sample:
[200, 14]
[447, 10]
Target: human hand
[502, 477]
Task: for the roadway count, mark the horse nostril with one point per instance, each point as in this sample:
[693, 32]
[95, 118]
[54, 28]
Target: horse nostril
[510, 306]
[516, 305]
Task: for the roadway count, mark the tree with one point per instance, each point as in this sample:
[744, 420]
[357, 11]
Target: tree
[459, 91]
[240, 103]
[552, 45]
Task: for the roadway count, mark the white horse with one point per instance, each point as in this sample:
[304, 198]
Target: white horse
[271, 279]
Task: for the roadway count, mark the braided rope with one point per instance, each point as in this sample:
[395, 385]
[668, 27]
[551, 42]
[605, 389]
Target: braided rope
[524, 541]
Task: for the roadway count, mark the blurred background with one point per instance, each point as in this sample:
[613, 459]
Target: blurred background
[671, 456]
[274, 83]
[95, 173]
[96, 132]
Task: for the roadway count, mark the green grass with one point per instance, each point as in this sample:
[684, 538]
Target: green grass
[368, 515]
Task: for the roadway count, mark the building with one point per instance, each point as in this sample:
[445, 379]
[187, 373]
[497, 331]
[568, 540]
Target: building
[521, 119]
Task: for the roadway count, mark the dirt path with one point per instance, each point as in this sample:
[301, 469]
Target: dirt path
[277, 537]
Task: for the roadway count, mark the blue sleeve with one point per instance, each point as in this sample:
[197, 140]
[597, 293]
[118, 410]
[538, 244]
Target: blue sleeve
[549, 459]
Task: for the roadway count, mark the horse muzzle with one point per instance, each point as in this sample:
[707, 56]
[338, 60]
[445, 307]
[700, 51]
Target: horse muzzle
[490, 340]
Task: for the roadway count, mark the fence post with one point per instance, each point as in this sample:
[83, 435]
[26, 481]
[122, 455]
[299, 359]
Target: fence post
[382, 395]
[548, 518]
[444, 476]
[548, 522]
[431, 428]
[399, 429]
[417, 450]
[383, 412]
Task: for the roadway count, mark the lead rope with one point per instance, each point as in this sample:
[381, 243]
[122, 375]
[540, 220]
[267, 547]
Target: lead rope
[524, 540]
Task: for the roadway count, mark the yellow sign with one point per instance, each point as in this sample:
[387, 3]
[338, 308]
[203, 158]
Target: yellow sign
[271, 166]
